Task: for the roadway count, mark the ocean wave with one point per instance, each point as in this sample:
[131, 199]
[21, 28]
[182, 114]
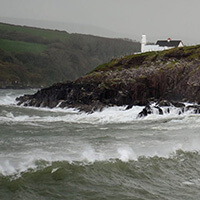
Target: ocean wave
[15, 164]
[139, 179]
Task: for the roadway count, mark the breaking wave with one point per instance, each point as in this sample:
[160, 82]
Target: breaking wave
[15, 163]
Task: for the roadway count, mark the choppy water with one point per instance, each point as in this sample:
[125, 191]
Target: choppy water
[48, 154]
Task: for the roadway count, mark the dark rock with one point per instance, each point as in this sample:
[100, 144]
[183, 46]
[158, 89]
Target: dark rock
[146, 111]
[129, 106]
[178, 104]
[181, 111]
[159, 110]
[194, 108]
[163, 103]
[168, 110]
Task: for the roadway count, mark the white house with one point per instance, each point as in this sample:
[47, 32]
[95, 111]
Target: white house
[160, 44]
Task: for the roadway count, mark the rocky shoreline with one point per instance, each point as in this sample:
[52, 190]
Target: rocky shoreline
[165, 107]
[172, 76]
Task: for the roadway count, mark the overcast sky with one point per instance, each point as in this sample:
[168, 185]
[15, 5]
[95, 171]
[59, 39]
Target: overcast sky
[158, 19]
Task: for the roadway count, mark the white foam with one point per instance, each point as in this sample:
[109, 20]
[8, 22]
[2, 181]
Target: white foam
[54, 170]
[88, 155]
[107, 116]
[6, 168]
[189, 183]
[52, 110]
[126, 154]
[192, 182]
[7, 97]
[20, 161]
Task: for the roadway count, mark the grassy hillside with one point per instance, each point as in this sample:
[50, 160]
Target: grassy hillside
[38, 57]
[20, 46]
[38, 32]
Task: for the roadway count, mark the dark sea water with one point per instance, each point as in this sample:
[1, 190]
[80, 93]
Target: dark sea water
[50, 154]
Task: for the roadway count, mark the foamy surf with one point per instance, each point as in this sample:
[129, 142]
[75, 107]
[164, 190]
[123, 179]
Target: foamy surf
[8, 97]
[107, 116]
[17, 163]
[42, 145]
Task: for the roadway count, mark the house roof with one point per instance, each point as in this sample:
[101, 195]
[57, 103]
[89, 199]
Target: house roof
[168, 43]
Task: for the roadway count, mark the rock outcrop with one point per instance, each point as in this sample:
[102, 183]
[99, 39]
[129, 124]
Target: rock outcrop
[167, 76]
[155, 109]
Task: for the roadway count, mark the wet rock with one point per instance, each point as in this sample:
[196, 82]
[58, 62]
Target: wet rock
[129, 106]
[178, 104]
[159, 110]
[163, 103]
[168, 110]
[194, 108]
[181, 111]
[146, 111]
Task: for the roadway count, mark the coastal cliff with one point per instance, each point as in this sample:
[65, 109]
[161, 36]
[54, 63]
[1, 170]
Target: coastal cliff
[172, 75]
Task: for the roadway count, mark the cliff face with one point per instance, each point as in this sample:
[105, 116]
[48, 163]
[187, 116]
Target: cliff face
[133, 80]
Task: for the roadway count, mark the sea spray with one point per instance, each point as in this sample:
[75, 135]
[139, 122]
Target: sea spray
[66, 154]
[107, 116]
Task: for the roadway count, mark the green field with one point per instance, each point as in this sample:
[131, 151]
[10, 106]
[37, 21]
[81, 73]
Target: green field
[43, 33]
[20, 47]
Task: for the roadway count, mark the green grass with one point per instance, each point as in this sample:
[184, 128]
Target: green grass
[43, 33]
[19, 46]
[192, 52]
[107, 66]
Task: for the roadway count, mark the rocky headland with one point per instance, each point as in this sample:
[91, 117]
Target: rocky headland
[167, 77]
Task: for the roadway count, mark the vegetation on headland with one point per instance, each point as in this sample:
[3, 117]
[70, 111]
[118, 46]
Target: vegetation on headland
[35, 57]
[172, 75]
[135, 60]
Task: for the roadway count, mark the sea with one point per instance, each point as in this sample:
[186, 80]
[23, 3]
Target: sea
[64, 154]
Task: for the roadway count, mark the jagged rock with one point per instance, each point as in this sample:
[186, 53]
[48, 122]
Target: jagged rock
[149, 110]
[159, 110]
[194, 108]
[146, 111]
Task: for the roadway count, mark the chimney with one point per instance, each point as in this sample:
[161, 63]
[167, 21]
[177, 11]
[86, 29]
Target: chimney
[169, 39]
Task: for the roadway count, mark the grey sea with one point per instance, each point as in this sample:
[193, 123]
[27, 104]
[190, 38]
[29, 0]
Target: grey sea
[50, 154]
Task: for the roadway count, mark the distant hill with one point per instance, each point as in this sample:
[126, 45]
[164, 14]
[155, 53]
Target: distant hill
[35, 57]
